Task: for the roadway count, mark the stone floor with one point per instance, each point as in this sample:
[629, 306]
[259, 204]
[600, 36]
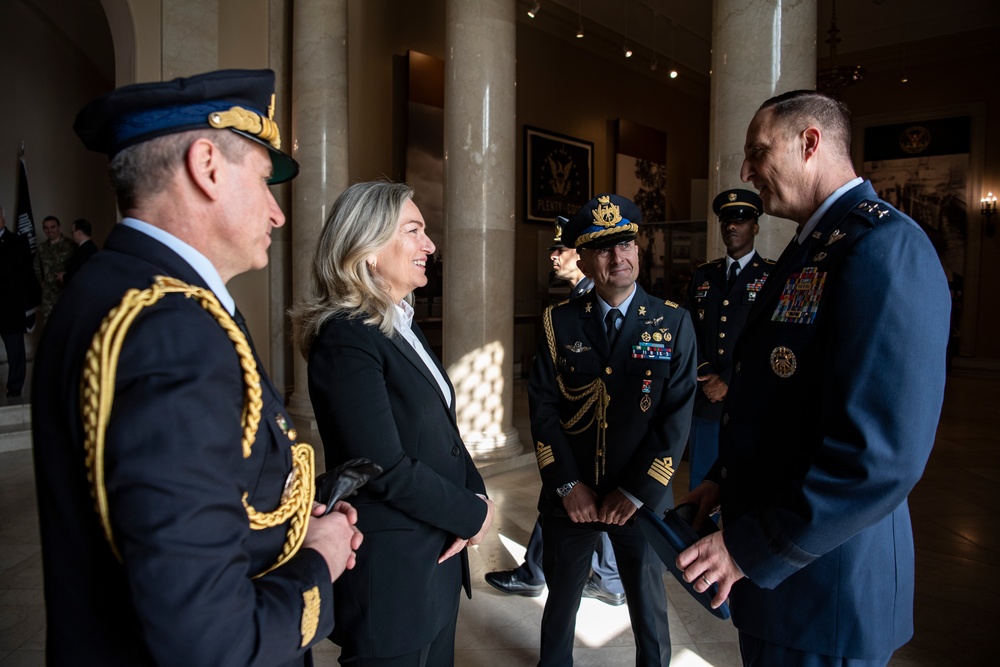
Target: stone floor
[956, 513]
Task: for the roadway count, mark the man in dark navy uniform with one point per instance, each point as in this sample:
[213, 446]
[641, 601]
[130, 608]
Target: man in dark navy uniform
[173, 498]
[831, 413]
[719, 298]
[529, 579]
[610, 396]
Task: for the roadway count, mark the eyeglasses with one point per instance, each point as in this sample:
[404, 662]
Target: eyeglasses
[623, 247]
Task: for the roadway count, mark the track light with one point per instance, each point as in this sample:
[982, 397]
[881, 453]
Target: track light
[627, 51]
[535, 9]
[579, 31]
[673, 73]
[653, 64]
[579, 20]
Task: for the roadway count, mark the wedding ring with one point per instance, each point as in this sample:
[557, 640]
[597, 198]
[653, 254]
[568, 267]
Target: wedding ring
[705, 579]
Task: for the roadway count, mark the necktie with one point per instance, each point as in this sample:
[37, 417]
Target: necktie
[734, 268]
[610, 322]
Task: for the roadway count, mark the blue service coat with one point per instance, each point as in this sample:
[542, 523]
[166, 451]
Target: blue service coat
[185, 593]
[828, 424]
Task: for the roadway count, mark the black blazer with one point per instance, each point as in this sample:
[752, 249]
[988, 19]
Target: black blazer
[175, 479]
[374, 397]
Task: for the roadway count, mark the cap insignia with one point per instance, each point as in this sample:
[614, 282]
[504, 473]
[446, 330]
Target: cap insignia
[606, 214]
[732, 196]
[251, 122]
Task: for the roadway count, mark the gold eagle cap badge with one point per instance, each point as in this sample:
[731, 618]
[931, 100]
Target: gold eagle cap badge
[606, 214]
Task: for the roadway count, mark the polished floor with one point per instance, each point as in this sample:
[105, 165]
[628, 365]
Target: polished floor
[956, 513]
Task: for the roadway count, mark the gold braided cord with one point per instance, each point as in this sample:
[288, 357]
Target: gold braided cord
[97, 385]
[621, 229]
[247, 121]
[296, 503]
[594, 395]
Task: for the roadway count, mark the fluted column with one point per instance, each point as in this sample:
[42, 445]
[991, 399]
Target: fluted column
[479, 130]
[760, 48]
[319, 143]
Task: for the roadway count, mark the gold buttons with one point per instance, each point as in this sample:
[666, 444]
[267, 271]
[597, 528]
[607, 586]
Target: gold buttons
[723, 318]
[607, 371]
[722, 334]
[721, 351]
[648, 373]
[292, 434]
[725, 302]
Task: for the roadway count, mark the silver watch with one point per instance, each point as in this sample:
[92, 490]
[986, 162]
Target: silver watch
[564, 490]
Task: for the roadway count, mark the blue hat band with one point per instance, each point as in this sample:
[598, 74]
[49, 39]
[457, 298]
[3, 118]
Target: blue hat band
[129, 129]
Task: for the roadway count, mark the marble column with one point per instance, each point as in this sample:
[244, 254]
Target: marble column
[760, 48]
[480, 140]
[319, 143]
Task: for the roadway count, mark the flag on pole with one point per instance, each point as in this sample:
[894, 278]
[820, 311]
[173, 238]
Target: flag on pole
[25, 222]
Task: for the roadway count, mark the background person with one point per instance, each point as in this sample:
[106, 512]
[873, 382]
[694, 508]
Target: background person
[19, 295]
[50, 263]
[85, 247]
[719, 297]
[168, 538]
[379, 393]
[832, 410]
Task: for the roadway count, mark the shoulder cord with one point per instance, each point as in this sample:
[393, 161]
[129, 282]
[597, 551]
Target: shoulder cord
[97, 391]
[593, 394]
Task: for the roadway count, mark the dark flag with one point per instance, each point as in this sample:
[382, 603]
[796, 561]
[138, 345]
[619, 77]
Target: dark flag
[25, 222]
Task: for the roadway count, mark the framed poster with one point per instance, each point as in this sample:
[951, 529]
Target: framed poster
[558, 174]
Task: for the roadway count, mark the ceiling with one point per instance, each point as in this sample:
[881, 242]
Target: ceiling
[680, 31]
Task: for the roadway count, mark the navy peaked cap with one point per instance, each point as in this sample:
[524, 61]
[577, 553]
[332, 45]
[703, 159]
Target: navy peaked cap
[238, 100]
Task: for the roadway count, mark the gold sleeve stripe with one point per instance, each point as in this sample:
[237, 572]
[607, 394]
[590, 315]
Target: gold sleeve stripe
[662, 470]
[544, 455]
[310, 614]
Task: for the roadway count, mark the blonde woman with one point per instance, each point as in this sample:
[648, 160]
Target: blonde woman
[378, 392]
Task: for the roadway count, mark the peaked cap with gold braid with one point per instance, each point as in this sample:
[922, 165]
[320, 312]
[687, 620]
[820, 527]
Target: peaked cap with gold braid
[605, 220]
[237, 100]
[97, 393]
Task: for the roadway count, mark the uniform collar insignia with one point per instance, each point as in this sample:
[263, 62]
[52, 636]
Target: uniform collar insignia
[588, 307]
[642, 311]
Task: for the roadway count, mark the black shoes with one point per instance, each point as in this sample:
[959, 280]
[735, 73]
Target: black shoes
[592, 590]
[509, 581]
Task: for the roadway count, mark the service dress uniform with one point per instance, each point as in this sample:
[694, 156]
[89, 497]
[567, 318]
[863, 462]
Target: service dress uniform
[719, 310]
[173, 497]
[611, 417]
[828, 423]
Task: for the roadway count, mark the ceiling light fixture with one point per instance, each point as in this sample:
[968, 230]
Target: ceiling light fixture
[579, 21]
[535, 9]
[627, 51]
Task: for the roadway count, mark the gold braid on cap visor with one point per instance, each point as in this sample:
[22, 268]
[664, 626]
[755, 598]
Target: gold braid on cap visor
[251, 122]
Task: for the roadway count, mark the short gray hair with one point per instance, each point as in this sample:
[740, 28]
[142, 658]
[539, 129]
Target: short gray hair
[364, 220]
[808, 106]
[144, 169]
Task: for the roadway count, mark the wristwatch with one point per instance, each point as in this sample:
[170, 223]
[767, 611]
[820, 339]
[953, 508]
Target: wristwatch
[564, 490]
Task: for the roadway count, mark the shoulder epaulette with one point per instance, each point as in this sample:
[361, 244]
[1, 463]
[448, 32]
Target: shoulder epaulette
[873, 211]
[671, 304]
[717, 260]
[766, 260]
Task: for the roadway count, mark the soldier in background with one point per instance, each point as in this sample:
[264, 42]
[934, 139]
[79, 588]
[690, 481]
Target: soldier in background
[50, 263]
[719, 298]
